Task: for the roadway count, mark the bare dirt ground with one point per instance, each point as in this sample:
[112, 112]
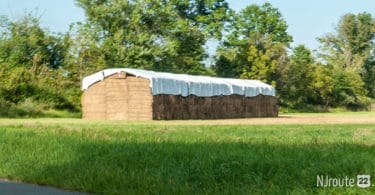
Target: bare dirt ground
[285, 119]
[327, 118]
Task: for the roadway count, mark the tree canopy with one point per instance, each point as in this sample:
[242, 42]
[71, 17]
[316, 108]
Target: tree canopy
[158, 35]
[255, 46]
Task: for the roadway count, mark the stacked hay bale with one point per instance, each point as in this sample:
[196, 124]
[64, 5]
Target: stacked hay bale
[170, 107]
[94, 102]
[120, 95]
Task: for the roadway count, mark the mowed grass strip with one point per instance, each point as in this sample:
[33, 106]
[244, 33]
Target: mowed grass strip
[158, 159]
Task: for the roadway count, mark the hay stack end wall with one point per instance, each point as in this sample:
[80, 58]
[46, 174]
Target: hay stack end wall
[132, 94]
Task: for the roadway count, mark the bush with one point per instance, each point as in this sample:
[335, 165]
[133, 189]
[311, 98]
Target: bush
[4, 107]
[349, 91]
[307, 108]
[26, 108]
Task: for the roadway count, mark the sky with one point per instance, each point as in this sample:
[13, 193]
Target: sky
[307, 19]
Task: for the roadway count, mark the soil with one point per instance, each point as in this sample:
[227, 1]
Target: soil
[283, 119]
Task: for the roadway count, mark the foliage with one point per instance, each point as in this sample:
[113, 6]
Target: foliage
[30, 60]
[264, 19]
[255, 46]
[369, 75]
[158, 35]
[348, 90]
[350, 53]
[323, 84]
[298, 86]
[352, 48]
[263, 59]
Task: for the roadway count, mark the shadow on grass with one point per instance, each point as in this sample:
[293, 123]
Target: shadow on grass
[103, 167]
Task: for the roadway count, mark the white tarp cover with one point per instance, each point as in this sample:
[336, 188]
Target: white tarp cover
[184, 85]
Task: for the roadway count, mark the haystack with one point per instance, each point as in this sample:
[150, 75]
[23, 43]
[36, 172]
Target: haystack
[132, 94]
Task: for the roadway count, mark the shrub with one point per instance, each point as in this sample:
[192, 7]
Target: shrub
[349, 91]
[4, 107]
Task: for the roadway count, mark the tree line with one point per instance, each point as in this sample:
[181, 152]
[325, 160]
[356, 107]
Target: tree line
[41, 70]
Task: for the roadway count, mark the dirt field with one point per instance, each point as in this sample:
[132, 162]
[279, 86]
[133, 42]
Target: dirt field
[288, 119]
[329, 118]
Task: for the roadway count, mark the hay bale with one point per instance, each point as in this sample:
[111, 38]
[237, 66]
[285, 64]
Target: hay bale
[170, 107]
[125, 97]
[118, 97]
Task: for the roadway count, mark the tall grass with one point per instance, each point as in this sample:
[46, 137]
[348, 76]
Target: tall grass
[158, 159]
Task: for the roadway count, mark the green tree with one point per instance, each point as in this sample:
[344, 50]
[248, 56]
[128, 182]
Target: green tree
[348, 90]
[85, 55]
[264, 19]
[225, 66]
[369, 76]
[255, 46]
[323, 85]
[263, 57]
[151, 34]
[298, 87]
[208, 15]
[26, 44]
[351, 48]
[30, 60]
[350, 53]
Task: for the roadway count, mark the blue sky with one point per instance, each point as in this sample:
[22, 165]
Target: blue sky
[307, 19]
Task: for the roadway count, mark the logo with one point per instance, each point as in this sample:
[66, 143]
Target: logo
[363, 181]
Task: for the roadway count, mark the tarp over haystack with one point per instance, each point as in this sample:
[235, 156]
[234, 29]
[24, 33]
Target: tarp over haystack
[133, 94]
[185, 85]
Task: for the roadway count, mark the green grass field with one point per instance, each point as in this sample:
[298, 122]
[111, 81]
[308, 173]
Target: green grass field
[163, 158]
